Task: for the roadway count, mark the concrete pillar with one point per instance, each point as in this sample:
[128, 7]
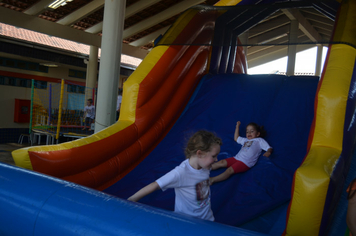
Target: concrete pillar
[319, 56]
[292, 47]
[109, 72]
[92, 73]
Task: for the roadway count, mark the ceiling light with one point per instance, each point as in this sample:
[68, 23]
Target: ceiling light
[48, 64]
[58, 3]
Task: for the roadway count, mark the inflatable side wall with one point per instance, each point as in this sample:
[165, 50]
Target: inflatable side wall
[318, 182]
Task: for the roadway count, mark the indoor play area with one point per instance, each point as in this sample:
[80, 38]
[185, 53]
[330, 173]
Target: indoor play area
[196, 78]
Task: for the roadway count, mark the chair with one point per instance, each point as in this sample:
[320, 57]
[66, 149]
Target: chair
[28, 138]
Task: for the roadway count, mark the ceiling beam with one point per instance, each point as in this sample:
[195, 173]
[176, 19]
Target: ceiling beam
[18, 19]
[148, 38]
[97, 28]
[34, 23]
[320, 19]
[139, 6]
[131, 10]
[81, 12]
[273, 54]
[156, 19]
[269, 25]
[304, 25]
[324, 32]
[96, 5]
[270, 35]
[323, 26]
[38, 8]
[302, 38]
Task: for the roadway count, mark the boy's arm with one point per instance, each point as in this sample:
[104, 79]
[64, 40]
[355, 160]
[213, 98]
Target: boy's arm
[144, 191]
[268, 152]
[236, 135]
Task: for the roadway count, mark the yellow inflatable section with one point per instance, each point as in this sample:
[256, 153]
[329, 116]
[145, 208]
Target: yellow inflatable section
[311, 180]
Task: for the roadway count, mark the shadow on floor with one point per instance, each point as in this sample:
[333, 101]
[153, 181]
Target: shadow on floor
[6, 149]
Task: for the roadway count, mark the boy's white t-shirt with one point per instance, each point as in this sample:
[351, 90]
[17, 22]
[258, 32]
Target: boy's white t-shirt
[90, 110]
[119, 99]
[191, 188]
[251, 150]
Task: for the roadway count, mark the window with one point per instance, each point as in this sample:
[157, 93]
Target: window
[32, 66]
[20, 82]
[71, 88]
[24, 65]
[10, 63]
[77, 74]
[21, 65]
[43, 68]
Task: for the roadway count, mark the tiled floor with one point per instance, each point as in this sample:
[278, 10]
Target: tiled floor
[5, 152]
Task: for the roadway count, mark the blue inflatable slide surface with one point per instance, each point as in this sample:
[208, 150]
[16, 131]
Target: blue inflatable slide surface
[283, 105]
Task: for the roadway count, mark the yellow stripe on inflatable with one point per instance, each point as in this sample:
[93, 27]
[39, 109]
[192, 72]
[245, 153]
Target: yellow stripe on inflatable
[332, 97]
[22, 158]
[131, 86]
[179, 25]
[227, 3]
[310, 188]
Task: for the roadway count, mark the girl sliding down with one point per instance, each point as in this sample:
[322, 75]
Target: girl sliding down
[248, 155]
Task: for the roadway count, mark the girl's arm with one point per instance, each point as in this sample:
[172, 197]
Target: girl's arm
[236, 135]
[268, 152]
[144, 191]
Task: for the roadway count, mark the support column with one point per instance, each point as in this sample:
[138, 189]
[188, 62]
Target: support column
[109, 72]
[292, 47]
[319, 56]
[92, 73]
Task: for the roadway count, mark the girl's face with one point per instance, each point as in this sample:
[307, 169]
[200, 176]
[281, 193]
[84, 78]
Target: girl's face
[206, 159]
[251, 132]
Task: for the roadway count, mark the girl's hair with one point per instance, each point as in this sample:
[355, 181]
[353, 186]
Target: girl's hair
[202, 140]
[259, 129]
[351, 192]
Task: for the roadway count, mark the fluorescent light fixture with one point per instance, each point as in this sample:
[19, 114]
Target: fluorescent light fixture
[58, 3]
[48, 64]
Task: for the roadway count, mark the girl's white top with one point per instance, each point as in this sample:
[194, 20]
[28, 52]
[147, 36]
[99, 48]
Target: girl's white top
[251, 150]
[191, 188]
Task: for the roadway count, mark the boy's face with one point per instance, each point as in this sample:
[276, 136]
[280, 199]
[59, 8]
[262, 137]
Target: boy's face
[88, 103]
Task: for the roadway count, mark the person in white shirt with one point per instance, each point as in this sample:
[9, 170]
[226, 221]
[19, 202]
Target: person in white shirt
[89, 114]
[118, 104]
[190, 179]
[248, 155]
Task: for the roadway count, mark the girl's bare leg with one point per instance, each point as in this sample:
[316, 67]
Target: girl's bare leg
[222, 176]
[219, 164]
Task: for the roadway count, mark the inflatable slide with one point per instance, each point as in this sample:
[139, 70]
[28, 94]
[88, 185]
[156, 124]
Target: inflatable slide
[188, 82]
